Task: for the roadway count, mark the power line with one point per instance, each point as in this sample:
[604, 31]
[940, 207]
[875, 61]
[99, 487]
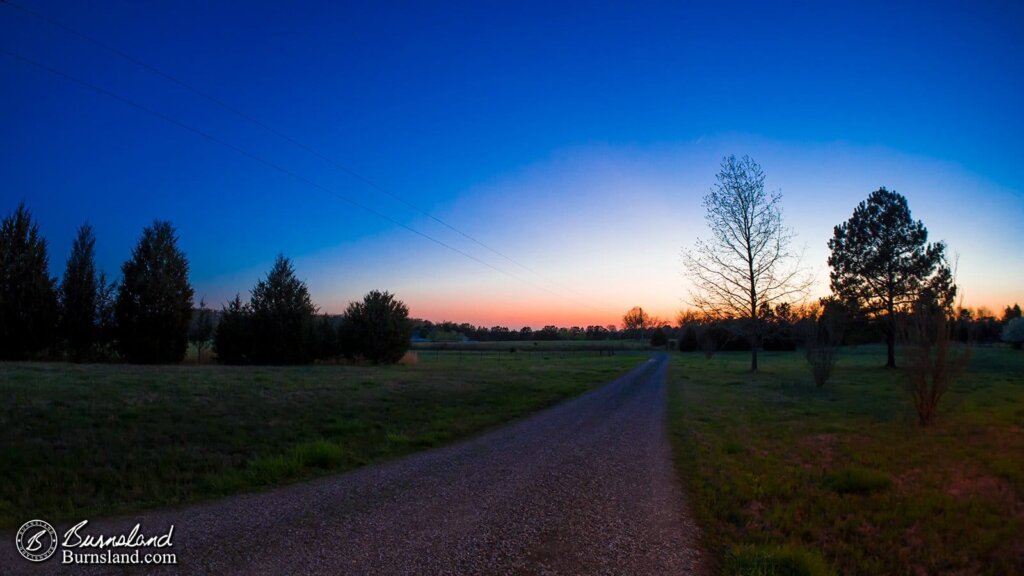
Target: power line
[278, 133]
[273, 165]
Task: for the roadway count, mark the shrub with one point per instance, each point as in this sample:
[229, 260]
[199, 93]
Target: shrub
[857, 480]
[1013, 333]
[824, 335]
[934, 361]
[774, 561]
[659, 338]
[377, 329]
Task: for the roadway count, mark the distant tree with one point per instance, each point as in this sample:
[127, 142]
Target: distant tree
[28, 297]
[106, 320]
[377, 328]
[1013, 332]
[232, 341]
[635, 319]
[328, 345]
[712, 338]
[154, 303]
[747, 263]
[201, 330]
[637, 322]
[1011, 312]
[549, 332]
[689, 342]
[283, 316]
[659, 338]
[883, 264]
[79, 291]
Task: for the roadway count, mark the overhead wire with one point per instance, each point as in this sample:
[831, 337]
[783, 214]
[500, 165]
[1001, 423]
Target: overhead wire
[274, 166]
[282, 135]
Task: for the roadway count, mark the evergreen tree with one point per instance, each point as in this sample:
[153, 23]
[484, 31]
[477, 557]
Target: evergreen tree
[377, 329]
[282, 315]
[232, 341]
[28, 297]
[882, 263]
[78, 296]
[154, 303]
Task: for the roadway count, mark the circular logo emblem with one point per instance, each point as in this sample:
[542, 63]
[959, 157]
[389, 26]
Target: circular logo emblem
[36, 540]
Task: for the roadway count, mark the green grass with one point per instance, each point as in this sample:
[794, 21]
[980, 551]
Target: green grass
[787, 478]
[86, 440]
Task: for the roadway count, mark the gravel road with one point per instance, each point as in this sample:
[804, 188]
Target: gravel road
[584, 487]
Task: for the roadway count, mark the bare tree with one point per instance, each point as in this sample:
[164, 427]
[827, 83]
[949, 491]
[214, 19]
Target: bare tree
[747, 262]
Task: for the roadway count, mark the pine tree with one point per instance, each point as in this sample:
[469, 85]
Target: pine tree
[78, 296]
[232, 341]
[28, 297]
[883, 264]
[154, 303]
[282, 316]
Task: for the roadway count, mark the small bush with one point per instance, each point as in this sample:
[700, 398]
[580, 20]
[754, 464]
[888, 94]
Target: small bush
[857, 480]
[774, 561]
[934, 361]
[377, 329]
[319, 454]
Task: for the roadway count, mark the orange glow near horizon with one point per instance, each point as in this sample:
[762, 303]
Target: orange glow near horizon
[538, 316]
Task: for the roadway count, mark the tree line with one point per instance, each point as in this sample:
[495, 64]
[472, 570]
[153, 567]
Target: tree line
[883, 269]
[148, 317]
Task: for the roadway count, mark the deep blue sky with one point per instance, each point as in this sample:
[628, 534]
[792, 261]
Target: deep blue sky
[433, 101]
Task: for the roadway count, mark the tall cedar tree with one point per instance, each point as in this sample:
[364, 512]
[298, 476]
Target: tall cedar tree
[746, 264]
[28, 297]
[79, 296]
[377, 329]
[282, 316]
[232, 341]
[882, 263]
[154, 303]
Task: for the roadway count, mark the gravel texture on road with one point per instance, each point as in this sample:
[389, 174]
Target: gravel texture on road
[584, 487]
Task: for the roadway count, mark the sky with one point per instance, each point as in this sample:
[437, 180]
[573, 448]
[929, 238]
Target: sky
[550, 158]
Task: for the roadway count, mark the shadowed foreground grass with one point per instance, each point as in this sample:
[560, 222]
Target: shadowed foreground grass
[81, 441]
[790, 479]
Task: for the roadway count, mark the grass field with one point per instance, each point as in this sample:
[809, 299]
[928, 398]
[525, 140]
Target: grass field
[81, 441]
[790, 479]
